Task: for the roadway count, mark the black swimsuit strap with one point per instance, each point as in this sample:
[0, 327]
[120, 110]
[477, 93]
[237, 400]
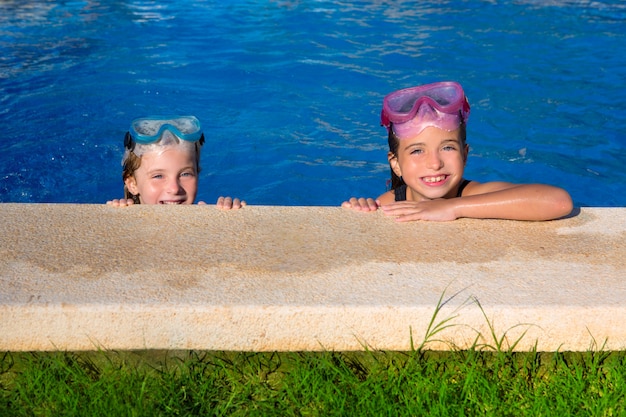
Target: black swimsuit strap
[400, 193]
[462, 187]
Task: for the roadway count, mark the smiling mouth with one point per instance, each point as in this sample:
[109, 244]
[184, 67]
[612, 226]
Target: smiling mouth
[435, 180]
[171, 202]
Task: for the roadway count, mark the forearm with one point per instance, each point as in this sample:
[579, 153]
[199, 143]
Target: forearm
[522, 202]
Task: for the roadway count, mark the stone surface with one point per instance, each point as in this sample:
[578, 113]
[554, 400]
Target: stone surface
[85, 277]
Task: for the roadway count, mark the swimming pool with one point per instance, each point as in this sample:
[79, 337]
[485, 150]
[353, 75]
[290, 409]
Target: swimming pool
[290, 92]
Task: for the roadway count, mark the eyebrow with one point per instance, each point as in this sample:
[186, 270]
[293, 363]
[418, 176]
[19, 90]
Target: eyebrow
[443, 142]
[164, 170]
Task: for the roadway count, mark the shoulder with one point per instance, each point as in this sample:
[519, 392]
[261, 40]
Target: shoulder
[387, 198]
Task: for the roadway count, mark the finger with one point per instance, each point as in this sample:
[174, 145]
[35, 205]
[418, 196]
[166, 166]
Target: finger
[352, 203]
[227, 203]
[397, 204]
[400, 208]
[366, 204]
[372, 204]
[407, 217]
[392, 208]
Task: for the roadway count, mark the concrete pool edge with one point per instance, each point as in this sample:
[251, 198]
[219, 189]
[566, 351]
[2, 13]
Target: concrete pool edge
[86, 277]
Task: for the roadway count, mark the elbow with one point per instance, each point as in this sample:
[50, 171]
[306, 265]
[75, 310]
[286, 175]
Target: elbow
[563, 204]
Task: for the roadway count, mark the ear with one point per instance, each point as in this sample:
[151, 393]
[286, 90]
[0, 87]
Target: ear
[131, 184]
[393, 163]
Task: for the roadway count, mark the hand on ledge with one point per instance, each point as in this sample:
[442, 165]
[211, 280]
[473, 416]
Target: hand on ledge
[122, 202]
[228, 203]
[361, 204]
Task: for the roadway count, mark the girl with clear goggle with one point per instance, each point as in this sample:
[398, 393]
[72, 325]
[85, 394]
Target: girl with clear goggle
[161, 163]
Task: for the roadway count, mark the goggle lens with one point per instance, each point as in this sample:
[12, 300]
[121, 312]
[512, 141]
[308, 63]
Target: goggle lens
[403, 105]
[150, 129]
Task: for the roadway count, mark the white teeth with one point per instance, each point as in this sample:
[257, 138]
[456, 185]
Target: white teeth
[434, 179]
[171, 202]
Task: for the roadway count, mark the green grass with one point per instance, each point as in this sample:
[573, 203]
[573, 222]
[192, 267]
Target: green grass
[468, 382]
[488, 379]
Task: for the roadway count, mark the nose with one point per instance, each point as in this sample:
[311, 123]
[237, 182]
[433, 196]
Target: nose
[173, 186]
[435, 161]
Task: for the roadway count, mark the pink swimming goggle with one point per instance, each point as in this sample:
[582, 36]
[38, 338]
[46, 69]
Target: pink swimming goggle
[411, 110]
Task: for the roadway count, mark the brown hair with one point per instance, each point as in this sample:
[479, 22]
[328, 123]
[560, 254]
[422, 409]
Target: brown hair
[130, 164]
[394, 143]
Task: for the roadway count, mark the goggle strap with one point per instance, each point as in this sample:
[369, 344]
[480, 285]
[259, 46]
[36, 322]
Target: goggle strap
[129, 142]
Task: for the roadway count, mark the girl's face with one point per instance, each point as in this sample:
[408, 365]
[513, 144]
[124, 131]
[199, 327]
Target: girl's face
[169, 176]
[431, 163]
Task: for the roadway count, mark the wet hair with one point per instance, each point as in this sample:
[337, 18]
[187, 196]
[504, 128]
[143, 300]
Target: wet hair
[131, 163]
[394, 144]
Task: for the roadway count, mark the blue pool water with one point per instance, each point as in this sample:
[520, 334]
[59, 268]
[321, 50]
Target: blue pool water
[290, 92]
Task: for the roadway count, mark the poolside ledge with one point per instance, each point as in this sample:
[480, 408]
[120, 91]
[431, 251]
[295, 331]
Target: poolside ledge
[87, 277]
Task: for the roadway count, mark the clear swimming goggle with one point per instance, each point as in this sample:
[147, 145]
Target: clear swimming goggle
[441, 104]
[148, 130]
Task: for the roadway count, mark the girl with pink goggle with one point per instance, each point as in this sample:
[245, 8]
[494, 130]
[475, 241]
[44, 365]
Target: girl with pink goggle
[426, 128]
